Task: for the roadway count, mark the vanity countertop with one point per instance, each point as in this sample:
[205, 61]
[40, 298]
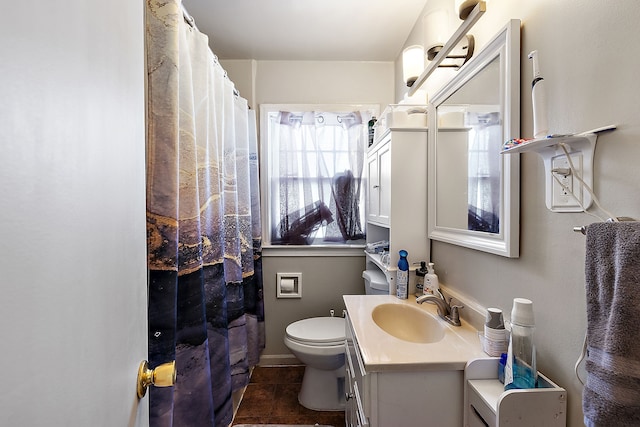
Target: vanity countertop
[384, 352]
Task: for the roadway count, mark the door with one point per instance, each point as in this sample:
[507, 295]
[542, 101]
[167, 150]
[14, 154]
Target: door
[72, 214]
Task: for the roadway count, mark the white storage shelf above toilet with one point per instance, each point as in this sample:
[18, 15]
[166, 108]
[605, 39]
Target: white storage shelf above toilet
[396, 199]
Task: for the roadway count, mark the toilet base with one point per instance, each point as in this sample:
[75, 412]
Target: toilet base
[322, 390]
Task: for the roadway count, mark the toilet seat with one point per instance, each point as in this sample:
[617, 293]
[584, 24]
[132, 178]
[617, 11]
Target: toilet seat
[318, 331]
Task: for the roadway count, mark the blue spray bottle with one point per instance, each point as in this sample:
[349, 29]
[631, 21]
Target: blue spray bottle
[402, 277]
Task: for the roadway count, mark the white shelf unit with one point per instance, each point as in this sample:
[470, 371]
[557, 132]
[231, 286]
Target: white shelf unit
[397, 199]
[486, 403]
[581, 148]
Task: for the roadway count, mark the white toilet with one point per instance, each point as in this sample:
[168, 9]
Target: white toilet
[318, 342]
[375, 282]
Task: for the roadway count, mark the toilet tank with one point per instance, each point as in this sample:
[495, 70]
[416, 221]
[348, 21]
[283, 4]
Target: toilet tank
[375, 282]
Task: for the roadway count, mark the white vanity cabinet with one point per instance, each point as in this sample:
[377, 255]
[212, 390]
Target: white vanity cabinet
[397, 196]
[399, 397]
[356, 382]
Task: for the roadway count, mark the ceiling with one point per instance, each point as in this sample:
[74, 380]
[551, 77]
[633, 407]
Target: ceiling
[319, 30]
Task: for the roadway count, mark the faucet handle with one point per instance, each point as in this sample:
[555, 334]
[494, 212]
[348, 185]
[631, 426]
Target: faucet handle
[455, 313]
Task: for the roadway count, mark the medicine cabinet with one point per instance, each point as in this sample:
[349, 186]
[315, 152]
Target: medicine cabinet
[474, 192]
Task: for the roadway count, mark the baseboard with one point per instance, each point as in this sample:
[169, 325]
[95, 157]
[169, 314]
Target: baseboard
[279, 360]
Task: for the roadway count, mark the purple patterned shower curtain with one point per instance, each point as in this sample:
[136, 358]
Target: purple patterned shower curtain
[203, 226]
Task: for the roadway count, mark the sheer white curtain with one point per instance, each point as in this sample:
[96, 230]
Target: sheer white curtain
[484, 172]
[315, 172]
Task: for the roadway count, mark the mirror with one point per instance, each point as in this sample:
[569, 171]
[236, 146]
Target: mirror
[473, 197]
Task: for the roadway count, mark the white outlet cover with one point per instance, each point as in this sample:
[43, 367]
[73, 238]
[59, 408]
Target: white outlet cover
[561, 197]
[582, 146]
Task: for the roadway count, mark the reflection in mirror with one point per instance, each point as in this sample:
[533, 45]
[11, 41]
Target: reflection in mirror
[473, 190]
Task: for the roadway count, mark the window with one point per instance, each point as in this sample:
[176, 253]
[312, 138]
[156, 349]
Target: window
[484, 171]
[312, 163]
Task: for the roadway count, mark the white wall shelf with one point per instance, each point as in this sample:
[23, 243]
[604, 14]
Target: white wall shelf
[581, 148]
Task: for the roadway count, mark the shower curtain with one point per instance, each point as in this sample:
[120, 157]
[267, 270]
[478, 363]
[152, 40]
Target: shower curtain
[203, 226]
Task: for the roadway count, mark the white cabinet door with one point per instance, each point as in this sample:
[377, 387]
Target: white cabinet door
[384, 168]
[373, 189]
[379, 191]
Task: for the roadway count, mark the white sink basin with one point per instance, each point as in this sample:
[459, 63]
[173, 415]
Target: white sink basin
[408, 323]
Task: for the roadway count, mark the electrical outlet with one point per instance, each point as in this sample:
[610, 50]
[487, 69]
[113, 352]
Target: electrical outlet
[565, 192]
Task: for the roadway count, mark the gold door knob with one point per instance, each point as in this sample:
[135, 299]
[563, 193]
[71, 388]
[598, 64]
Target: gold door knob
[162, 376]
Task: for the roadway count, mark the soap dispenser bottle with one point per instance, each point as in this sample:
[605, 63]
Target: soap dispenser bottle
[420, 274]
[402, 276]
[431, 282]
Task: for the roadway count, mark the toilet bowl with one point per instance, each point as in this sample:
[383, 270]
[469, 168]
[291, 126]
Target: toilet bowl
[318, 342]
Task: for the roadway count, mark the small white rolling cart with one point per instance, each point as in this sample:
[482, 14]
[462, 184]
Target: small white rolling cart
[487, 404]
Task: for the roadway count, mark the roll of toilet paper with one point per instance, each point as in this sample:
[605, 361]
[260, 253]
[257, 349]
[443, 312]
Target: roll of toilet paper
[287, 286]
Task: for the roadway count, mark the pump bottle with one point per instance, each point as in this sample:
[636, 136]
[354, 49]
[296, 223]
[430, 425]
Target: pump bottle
[420, 274]
[431, 282]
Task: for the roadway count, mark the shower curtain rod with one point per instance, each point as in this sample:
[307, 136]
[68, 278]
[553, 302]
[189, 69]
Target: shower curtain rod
[187, 17]
[192, 23]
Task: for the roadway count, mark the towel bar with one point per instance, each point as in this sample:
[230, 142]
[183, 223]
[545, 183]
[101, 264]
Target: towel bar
[583, 229]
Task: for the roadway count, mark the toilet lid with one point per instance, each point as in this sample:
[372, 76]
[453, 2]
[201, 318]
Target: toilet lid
[318, 330]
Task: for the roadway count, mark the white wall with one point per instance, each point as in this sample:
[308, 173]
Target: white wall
[242, 73]
[72, 215]
[589, 58]
[325, 279]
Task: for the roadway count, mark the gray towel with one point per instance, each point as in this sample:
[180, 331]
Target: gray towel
[611, 395]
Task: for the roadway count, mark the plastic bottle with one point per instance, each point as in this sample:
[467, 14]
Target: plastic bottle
[420, 273]
[402, 277]
[539, 100]
[372, 123]
[431, 282]
[520, 368]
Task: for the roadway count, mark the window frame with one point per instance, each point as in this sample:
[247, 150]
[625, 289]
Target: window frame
[265, 188]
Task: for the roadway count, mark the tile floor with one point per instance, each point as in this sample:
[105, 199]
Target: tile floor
[272, 398]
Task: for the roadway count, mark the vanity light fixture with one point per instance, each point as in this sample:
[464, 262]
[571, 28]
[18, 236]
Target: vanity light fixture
[412, 63]
[436, 32]
[459, 34]
[464, 7]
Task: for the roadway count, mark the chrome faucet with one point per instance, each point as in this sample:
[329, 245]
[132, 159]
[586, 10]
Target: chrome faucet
[448, 312]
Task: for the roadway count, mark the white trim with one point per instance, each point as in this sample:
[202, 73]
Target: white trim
[279, 360]
[265, 196]
[313, 251]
